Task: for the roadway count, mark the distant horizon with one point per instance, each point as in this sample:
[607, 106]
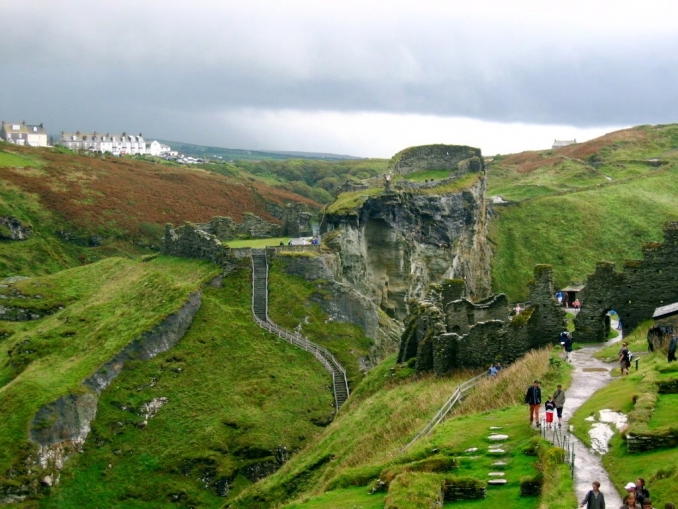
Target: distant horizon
[362, 78]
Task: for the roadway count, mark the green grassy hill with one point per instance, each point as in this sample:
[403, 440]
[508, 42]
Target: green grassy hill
[575, 206]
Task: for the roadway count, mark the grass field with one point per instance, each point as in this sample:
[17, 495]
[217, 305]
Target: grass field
[572, 213]
[385, 412]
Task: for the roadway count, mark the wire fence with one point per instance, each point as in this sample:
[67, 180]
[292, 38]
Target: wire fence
[559, 437]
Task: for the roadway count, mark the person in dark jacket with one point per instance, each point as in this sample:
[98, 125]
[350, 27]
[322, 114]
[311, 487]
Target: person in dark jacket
[533, 398]
[594, 499]
[641, 491]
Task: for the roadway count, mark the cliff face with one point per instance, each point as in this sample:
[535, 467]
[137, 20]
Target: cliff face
[407, 235]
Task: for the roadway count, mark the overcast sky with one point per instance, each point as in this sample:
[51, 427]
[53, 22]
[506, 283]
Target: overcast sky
[365, 78]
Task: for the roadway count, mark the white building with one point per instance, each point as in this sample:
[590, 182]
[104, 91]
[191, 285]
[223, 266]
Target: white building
[117, 144]
[24, 134]
[155, 148]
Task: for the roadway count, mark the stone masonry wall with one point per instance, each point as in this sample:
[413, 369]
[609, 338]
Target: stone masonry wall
[634, 293]
[429, 338]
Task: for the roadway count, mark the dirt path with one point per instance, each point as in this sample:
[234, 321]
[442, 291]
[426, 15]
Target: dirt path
[589, 375]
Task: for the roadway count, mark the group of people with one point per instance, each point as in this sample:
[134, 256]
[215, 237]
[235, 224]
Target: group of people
[552, 407]
[495, 368]
[562, 300]
[637, 497]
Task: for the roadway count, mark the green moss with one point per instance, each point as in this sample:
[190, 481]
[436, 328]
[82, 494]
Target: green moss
[348, 203]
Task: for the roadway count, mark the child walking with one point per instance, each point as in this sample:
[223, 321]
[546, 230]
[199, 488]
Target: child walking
[550, 409]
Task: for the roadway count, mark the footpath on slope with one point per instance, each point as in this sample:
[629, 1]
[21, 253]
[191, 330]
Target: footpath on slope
[260, 312]
[589, 376]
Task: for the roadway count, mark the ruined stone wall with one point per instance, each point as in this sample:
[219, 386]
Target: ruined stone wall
[225, 228]
[634, 293]
[188, 241]
[462, 314]
[445, 341]
[296, 220]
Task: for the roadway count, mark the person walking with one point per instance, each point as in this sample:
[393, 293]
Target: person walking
[549, 409]
[624, 358]
[630, 501]
[533, 398]
[594, 499]
[567, 346]
[559, 400]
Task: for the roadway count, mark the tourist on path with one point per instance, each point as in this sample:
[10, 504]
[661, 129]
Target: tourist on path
[624, 359]
[576, 304]
[549, 408]
[672, 348]
[641, 491]
[533, 398]
[559, 400]
[630, 501]
[594, 499]
[647, 504]
[567, 345]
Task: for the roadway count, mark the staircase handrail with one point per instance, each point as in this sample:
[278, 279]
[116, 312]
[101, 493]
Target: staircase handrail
[321, 353]
[447, 407]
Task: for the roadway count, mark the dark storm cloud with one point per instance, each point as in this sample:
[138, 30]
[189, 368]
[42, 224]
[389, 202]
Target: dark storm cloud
[158, 64]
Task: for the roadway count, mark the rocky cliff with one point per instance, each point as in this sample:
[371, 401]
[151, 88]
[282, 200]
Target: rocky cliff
[396, 236]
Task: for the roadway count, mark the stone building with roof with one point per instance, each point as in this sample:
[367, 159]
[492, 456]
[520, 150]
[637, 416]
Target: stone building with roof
[23, 134]
[562, 143]
[117, 144]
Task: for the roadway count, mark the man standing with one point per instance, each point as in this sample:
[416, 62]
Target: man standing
[594, 499]
[533, 398]
[559, 400]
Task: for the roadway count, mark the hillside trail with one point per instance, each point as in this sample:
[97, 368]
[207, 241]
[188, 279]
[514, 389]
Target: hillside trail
[589, 375]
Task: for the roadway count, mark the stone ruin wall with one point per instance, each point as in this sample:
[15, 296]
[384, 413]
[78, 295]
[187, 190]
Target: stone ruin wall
[441, 338]
[634, 293]
[295, 217]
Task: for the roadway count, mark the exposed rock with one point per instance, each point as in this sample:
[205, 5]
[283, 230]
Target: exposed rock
[188, 241]
[12, 229]
[394, 245]
[59, 429]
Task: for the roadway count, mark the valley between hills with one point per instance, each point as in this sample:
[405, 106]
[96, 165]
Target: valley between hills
[134, 375]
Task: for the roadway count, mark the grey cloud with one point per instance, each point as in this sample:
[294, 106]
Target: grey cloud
[78, 62]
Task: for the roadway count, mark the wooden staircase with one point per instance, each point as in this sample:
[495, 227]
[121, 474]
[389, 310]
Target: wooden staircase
[260, 312]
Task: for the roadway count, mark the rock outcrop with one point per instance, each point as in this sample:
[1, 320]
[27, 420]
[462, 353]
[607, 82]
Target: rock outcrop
[397, 241]
[59, 429]
[12, 229]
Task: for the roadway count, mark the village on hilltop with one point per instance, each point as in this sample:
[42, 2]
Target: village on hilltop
[115, 144]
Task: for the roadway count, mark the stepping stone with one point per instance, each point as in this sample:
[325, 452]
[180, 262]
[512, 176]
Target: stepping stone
[497, 474]
[497, 482]
[496, 427]
[498, 437]
[471, 449]
[497, 451]
[473, 457]
[499, 464]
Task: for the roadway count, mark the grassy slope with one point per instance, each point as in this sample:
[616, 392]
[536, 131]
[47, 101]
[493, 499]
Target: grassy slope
[384, 413]
[235, 394]
[571, 216]
[106, 305]
[119, 199]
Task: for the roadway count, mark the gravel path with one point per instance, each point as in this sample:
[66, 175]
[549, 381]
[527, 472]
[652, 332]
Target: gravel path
[589, 375]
